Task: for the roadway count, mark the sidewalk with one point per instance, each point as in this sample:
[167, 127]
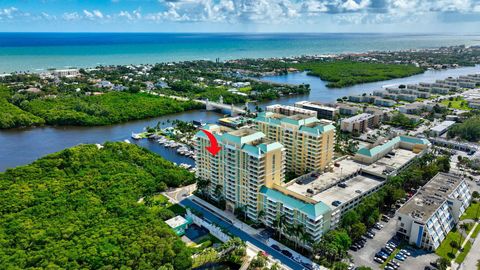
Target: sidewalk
[252, 232]
[454, 264]
[230, 216]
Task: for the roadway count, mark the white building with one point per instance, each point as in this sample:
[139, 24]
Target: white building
[290, 110]
[442, 128]
[433, 211]
[323, 111]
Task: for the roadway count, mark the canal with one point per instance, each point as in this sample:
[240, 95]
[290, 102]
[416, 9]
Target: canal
[22, 146]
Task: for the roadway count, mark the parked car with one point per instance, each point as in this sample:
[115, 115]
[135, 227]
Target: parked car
[382, 255]
[386, 251]
[287, 253]
[387, 267]
[395, 263]
[405, 252]
[354, 247]
[277, 248]
[378, 260]
[378, 226]
[394, 266]
[400, 257]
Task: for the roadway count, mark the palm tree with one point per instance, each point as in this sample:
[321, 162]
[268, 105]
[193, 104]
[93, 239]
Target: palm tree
[279, 225]
[261, 216]
[305, 237]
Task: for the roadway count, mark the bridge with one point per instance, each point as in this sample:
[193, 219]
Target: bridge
[210, 105]
[234, 111]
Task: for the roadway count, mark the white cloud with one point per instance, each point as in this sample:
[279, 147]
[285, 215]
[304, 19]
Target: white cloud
[8, 13]
[271, 11]
[98, 14]
[72, 16]
[93, 15]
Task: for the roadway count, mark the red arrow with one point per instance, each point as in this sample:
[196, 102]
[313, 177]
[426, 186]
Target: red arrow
[213, 148]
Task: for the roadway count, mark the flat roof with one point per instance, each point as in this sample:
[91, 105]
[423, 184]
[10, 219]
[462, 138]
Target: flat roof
[176, 221]
[443, 126]
[358, 117]
[431, 196]
[318, 182]
[391, 162]
[355, 187]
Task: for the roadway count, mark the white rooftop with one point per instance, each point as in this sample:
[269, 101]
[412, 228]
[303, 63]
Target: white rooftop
[176, 221]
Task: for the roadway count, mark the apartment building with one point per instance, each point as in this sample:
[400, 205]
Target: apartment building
[323, 111]
[247, 161]
[433, 211]
[290, 110]
[308, 141]
[360, 123]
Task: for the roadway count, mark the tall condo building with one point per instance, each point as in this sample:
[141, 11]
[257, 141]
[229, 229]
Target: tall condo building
[308, 142]
[247, 161]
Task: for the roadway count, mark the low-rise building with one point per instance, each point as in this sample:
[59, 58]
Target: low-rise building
[323, 111]
[345, 109]
[69, 73]
[441, 128]
[433, 211]
[384, 102]
[369, 155]
[290, 110]
[360, 123]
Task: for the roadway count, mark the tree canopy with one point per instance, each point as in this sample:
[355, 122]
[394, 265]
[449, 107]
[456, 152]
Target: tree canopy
[78, 209]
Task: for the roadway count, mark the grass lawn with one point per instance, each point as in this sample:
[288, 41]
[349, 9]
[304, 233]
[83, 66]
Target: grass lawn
[471, 211]
[475, 233]
[463, 254]
[245, 89]
[459, 104]
[445, 250]
[177, 209]
[160, 198]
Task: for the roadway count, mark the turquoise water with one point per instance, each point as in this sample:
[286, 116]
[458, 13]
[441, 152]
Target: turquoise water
[39, 51]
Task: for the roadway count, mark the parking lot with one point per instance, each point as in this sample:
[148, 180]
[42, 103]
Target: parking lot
[364, 257]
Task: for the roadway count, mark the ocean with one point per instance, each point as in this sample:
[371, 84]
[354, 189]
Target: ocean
[36, 52]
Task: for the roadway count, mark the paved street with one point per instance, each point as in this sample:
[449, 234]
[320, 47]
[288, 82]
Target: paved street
[224, 223]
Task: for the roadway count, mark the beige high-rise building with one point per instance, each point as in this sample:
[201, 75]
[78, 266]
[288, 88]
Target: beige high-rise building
[308, 142]
[247, 161]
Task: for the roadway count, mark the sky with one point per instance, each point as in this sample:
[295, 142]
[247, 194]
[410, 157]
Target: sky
[390, 16]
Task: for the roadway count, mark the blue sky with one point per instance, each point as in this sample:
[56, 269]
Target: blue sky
[440, 16]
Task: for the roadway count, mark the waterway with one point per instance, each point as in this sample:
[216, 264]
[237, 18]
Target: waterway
[22, 146]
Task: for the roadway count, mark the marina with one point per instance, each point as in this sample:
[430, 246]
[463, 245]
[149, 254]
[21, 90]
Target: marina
[22, 146]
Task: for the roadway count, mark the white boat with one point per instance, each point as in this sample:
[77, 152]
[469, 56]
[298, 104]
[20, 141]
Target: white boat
[185, 166]
[127, 141]
[136, 136]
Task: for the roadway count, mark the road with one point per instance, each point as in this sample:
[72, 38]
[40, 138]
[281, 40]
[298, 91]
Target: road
[473, 256]
[241, 234]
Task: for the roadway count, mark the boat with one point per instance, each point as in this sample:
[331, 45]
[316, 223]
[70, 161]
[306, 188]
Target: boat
[136, 136]
[127, 141]
[185, 166]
